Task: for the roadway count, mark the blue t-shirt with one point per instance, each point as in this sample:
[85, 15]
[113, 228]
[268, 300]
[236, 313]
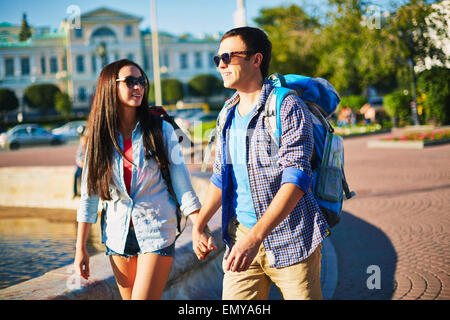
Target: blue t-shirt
[242, 197]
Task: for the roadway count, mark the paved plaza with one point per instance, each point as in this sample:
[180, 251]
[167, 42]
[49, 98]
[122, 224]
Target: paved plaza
[398, 224]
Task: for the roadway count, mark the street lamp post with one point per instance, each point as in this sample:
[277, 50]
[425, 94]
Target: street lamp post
[155, 52]
[239, 14]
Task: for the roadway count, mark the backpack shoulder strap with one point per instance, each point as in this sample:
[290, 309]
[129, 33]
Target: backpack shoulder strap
[272, 111]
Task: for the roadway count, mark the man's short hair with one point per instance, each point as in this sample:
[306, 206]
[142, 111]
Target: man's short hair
[256, 40]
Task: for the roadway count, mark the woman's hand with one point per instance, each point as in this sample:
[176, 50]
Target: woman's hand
[202, 242]
[81, 262]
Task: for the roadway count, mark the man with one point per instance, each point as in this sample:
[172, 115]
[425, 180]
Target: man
[270, 220]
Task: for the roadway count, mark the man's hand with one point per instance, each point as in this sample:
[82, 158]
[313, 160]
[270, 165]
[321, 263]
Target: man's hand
[242, 254]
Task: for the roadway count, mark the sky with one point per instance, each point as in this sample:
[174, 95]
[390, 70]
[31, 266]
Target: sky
[175, 16]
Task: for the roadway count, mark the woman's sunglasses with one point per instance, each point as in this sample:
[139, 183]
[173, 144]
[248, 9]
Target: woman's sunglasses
[226, 57]
[131, 81]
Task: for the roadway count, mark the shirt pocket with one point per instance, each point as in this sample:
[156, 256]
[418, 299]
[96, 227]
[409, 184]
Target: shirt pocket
[265, 151]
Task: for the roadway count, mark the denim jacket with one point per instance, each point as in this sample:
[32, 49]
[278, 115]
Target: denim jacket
[297, 236]
[149, 205]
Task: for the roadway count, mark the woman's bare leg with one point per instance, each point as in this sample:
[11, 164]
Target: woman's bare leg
[125, 273]
[151, 276]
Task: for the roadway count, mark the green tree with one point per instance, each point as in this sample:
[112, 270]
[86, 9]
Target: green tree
[8, 100]
[204, 85]
[293, 35]
[435, 85]
[353, 102]
[41, 96]
[25, 30]
[397, 107]
[63, 103]
[171, 90]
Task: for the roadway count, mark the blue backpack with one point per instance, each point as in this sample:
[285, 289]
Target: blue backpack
[329, 186]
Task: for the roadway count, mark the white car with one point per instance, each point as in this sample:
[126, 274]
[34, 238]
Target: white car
[71, 130]
[28, 135]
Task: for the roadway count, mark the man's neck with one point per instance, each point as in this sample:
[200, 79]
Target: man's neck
[247, 101]
[248, 97]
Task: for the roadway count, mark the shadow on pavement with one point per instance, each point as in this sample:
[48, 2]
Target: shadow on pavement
[359, 246]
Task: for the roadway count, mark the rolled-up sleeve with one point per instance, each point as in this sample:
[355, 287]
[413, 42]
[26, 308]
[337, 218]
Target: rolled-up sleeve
[181, 181]
[88, 207]
[297, 143]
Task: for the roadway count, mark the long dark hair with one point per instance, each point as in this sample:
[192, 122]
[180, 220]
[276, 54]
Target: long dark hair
[103, 126]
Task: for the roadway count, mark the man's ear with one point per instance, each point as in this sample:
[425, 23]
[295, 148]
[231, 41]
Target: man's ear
[257, 59]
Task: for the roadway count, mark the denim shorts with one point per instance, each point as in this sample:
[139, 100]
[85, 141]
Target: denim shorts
[132, 248]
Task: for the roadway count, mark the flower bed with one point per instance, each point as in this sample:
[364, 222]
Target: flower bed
[433, 135]
[413, 139]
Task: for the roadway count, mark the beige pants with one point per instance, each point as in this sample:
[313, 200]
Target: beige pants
[300, 281]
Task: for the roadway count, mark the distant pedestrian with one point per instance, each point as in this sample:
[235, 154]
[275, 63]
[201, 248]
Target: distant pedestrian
[127, 148]
[79, 161]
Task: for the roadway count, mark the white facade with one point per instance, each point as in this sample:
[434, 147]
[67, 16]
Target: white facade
[71, 57]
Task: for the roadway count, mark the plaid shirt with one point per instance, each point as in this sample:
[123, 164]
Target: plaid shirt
[297, 236]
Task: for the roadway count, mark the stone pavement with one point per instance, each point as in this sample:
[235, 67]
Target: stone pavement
[398, 225]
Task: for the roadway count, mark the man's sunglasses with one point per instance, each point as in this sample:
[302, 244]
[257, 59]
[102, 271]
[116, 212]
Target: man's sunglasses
[131, 81]
[226, 57]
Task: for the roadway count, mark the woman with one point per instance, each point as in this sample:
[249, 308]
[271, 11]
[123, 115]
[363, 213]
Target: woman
[126, 148]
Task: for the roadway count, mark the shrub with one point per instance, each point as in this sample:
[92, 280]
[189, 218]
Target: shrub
[171, 90]
[204, 85]
[434, 85]
[41, 96]
[8, 100]
[63, 104]
[353, 102]
[397, 106]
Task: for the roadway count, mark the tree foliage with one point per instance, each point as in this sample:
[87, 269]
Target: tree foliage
[293, 34]
[434, 85]
[204, 85]
[351, 51]
[171, 90]
[41, 96]
[25, 30]
[63, 104]
[397, 106]
[8, 100]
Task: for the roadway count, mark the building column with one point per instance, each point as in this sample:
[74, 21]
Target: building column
[2, 67]
[17, 66]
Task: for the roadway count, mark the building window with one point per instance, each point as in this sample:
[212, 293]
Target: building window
[198, 60]
[43, 65]
[25, 66]
[79, 33]
[166, 60]
[9, 66]
[64, 63]
[82, 94]
[94, 63]
[53, 65]
[128, 30]
[80, 64]
[211, 59]
[130, 56]
[184, 61]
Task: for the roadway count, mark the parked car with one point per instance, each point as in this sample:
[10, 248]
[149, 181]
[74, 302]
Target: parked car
[71, 130]
[27, 135]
